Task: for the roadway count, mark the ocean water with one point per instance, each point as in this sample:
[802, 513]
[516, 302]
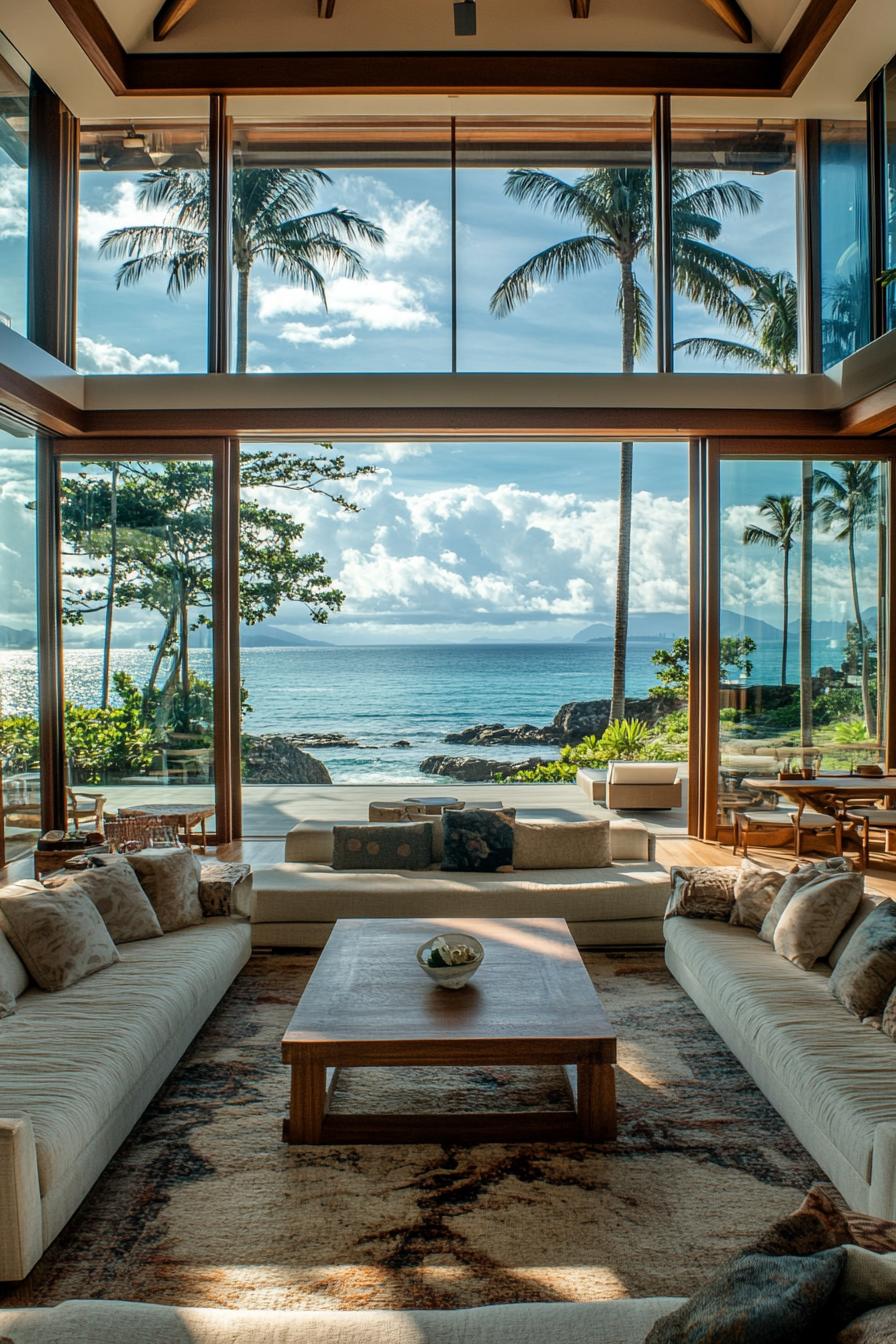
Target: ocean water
[380, 694]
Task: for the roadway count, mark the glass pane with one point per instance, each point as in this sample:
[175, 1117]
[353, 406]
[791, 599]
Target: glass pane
[845, 274]
[341, 247]
[13, 188]
[137, 606]
[890, 240]
[143, 248]
[553, 246]
[802, 614]
[474, 585]
[19, 748]
[734, 243]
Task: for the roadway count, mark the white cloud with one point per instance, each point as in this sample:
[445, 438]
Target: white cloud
[121, 212]
[412, 227]
[301, 333]
[13, 202]
[371, 303]
[396, 452]
[101, 356]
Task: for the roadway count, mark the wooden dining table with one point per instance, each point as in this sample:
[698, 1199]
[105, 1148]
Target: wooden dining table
[831, 794]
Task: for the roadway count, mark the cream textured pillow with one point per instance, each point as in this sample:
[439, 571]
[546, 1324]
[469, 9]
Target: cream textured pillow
[796, 879]
[116, 892]
[701, 893]
[816, 915]
[13, 975]
[59, 935]
[561, 844]
[755, 887]
[170, 878]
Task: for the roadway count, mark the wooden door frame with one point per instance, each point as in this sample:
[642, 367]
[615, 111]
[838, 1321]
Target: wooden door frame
[223, 455]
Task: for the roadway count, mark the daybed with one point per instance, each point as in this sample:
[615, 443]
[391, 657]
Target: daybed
[295, 903]
[78, 1068]
[626, 1321]
[831, 1077]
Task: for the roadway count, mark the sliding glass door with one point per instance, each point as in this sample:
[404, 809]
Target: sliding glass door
[138, 633]
[802, 647]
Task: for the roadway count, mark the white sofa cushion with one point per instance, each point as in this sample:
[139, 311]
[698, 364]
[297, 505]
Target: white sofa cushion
[622, 1321]
[840, 1073]
[69, 1060]
[13, 974]
[305, 891]
[642, 772]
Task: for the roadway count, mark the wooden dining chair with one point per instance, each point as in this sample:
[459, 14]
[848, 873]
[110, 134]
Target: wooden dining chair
[866, 820]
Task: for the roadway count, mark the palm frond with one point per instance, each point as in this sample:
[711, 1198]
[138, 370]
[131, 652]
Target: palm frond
[724, 352]
[560, 261]
[533, 186]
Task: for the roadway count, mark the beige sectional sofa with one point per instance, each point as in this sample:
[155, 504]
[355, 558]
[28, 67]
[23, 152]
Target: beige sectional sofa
[295, 903]
[616, 1322]
[832, 1079]
[78, 1068]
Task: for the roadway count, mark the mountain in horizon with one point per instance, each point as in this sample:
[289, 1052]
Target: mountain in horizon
[265, 636]
[12, 638]
[671, 625]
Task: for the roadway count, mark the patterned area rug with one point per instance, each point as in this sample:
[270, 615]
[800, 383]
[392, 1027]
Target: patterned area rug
[204, 1205]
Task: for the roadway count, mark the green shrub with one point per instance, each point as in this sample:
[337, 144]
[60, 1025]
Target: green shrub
[850, 731]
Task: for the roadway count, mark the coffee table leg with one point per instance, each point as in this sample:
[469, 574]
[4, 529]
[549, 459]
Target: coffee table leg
[307, 1103]
[596, 1101]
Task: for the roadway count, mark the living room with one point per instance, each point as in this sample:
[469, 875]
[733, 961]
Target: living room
[446, 732]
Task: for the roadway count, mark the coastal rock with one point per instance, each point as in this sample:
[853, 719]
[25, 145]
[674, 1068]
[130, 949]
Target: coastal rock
[496, 734]
[323, 740]
[584, 718]
[476, 769]
[274, 758]
[402, 743]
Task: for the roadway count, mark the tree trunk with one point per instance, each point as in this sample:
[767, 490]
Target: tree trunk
[184, 637]
[786, 583]
[624, 542]
[867, 707]
[242, 321]
[160, 654]
[883, 670]
[807, 509]
[110, 587]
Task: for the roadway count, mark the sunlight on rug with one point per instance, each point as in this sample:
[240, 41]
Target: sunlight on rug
[205, 1206]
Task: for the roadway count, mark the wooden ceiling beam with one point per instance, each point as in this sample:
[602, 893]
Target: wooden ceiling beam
[809, 39]
[169, 16]
[733, 17]
[325, 8]
[95, 36]
[581, 9]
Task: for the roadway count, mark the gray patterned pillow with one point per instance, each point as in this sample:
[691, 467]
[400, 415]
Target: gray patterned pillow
[701, 893]
[758, 1299]
[866, 972]
[816, 915]
[755, 887]
[59, 935]
[387, 845]
[170, 878]
[116, 892]
[7, 1003]
[888, 1017]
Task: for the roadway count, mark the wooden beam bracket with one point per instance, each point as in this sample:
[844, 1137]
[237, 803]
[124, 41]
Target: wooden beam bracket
[169, 16]
[733, 17]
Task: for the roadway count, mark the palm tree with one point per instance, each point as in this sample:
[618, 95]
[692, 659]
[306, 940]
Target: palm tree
[774, 327]
[272, 222]
[848, 504]
[614, 209]
[784, 517]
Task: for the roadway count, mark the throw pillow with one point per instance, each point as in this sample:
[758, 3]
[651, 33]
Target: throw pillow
[170, 878]
[888, 1017]
[755, 888]
[59, 935]
[817, 1225]
[797, 878]
[479, 841]
[758, 1299]
[561, 844]
[868, 1281]
[816, 915]
[701, 893]
[7, 1003]
[866, 972]
[116, 892]
[13, 974]
[403, 845]
[875, 1327]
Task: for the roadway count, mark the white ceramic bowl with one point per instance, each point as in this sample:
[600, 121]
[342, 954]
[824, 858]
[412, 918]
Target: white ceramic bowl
[452, 977]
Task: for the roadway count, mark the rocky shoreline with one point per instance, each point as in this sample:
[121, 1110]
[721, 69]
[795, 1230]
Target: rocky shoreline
[274, 758]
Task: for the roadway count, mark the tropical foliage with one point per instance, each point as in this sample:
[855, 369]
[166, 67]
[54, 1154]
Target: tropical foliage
[673, 676]
[783, 515]
[622, 740]
[273, 222]
[613, 210]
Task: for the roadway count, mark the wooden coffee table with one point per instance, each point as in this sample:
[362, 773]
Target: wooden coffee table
[368, 1003]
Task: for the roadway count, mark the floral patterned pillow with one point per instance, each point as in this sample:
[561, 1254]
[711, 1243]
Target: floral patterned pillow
[701, 893]
[479, 841]
[60, 935]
